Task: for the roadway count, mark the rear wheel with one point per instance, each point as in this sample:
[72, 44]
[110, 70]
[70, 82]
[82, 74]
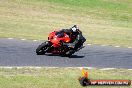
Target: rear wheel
[42, 49]
[69, 53]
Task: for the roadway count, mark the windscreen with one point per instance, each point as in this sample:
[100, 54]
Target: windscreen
[59, 34]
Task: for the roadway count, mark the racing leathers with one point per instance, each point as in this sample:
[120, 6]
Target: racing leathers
[77, 38]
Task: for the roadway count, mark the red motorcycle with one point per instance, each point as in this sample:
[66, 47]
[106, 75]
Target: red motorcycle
[55, 45]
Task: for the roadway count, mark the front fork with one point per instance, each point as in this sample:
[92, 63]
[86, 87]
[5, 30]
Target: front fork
[50, 46]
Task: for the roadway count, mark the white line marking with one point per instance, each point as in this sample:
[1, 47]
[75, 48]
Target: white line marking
[37, 67]
[107, 68]
[7, 67]
[89, 44]
[20, 67]
[23, 39]
[10, 38]
[35, 40]
[117, 46]
[89, 67]
[84, 67]
[80, 68]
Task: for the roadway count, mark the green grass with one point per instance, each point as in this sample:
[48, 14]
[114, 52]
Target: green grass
[55, 77]
[102, 21]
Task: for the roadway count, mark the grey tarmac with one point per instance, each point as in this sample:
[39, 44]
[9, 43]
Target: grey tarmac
[16, 52]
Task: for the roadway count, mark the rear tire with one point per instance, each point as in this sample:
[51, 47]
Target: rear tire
[42, 48]
[69, 53]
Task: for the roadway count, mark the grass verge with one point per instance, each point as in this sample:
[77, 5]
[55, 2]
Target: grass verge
[55, 77]
[102, 21]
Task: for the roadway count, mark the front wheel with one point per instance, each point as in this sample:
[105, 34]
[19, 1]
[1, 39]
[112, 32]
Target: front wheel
[42, 49]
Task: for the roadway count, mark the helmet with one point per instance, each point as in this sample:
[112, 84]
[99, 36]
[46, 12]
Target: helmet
[75, 28]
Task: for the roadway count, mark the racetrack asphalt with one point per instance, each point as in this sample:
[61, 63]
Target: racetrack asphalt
[16, 52]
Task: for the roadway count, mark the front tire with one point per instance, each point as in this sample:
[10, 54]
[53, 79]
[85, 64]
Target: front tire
[42, 49]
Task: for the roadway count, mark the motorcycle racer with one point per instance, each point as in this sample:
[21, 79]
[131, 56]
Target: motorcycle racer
[64, 42]
[76, 36]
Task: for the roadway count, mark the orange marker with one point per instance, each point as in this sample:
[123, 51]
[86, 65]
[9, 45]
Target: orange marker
[84, 73]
